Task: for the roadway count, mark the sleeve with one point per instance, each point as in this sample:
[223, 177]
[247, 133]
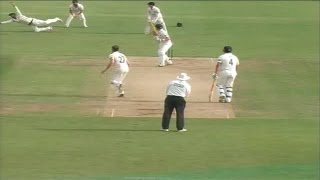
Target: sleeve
[81, 7]
[18, 11]
[148, 14]
[8, 21]
[220, 58]
[70, 8]
[238, 61]
[188, 88]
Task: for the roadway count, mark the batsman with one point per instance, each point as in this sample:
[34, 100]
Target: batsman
[165, 44]
[225, 73]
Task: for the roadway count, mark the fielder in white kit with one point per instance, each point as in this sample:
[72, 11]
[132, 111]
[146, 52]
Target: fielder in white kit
[165, 44]
[76, 11]
[154, 16]
[226, 72]
[121, 69]
[37, 25]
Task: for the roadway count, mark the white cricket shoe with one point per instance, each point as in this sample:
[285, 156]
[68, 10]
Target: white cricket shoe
[182, 130]
[169, 62]
[165, 130]
[60, 20]
[85, 26]
[228, 100]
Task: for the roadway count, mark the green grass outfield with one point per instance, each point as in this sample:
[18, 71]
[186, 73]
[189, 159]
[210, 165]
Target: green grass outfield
[275, 134]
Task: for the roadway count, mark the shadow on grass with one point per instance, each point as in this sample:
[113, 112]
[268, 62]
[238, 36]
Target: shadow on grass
[14, 31]
[100, 129]
[53, 95]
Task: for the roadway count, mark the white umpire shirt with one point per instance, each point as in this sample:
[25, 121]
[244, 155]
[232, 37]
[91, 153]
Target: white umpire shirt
[178, 88]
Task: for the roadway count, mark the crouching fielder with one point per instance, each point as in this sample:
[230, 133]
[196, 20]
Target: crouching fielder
[37, 25]
[226, 72]
[121, 68]
[165, 44]
[76, 11]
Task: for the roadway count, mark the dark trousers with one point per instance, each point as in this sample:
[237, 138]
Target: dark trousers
[170, 103]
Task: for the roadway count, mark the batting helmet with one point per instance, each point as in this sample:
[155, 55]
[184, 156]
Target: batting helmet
[115, 48]
[159, 26]
[12, 14]
[227, 49]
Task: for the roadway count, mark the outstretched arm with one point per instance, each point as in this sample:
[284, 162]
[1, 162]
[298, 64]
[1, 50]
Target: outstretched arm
[5, 22]
[17, 9]
[111, 62]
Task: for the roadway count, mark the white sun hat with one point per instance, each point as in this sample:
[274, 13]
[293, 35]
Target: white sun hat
[183, 77]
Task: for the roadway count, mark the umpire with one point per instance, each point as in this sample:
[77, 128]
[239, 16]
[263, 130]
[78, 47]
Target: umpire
[177, 90]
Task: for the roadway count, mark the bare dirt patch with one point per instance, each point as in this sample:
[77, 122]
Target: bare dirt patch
[145, 88]
[146, 84]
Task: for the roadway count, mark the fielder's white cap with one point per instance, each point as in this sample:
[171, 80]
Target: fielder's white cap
[183, 77]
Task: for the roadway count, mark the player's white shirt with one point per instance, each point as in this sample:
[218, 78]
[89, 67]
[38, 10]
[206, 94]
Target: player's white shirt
[154, 13]
[120, 61]
[23, 19]
[178, 88]
[228, 61]
[76, 10]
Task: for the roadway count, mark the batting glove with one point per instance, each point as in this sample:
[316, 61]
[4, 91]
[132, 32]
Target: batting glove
[214, 76]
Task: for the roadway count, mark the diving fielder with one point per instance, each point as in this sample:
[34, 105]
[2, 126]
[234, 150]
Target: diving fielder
[36, 24]
[165, 44]
[154, 16]
[76, 11]
[121, 68]
[226, 72]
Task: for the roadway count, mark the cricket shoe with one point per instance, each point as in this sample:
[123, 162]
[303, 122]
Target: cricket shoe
[182, 130]
[161, 65]
[228, 100]
[169, 62]
[165, 130]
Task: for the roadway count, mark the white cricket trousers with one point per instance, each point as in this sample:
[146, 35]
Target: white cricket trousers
[162, 52]
[225, 84]
[39, 25]
[117, 79]
[44, 23]
[81, 18]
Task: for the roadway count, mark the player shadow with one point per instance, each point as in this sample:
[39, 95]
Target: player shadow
[123, 33]
[53, 95]
[16, 31]
[99, 129]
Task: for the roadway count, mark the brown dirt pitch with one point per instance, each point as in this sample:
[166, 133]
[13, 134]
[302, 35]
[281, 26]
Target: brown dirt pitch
[146, 83]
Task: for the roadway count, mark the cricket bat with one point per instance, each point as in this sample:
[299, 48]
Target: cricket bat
[153, 29]
[212, 90]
